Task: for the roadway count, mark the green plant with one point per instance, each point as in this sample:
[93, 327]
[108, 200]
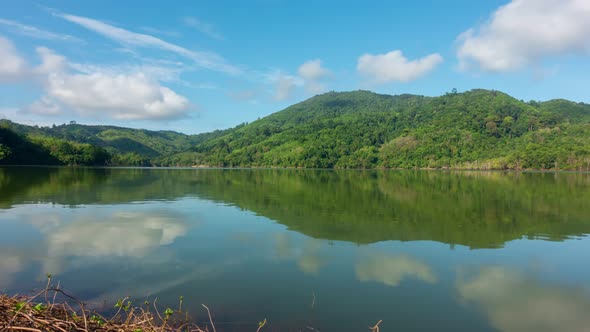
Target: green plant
[39, 307]
[168, 312]
[19, 306]
[97, 320]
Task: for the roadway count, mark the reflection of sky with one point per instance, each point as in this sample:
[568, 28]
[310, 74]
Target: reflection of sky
[234, 259]
[391, 270]
[515, 302]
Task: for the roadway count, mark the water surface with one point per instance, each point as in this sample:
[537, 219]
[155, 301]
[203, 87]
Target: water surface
[334, 250]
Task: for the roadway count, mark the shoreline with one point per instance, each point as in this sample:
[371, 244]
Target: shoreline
[202, 167]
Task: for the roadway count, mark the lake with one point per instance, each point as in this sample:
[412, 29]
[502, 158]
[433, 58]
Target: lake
[332, 250]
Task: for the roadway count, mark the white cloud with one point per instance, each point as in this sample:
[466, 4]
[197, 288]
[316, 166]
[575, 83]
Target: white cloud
[128, 38]
[12, 65]
[515, 303]
[310, 75]
[313, 73]
[391, 270]
[134, 94]
[45, 106]
[34, 32]
[395, 67]
[97, 91]
[203, 27]
[524, 32]
[312, 70]
[50, 62]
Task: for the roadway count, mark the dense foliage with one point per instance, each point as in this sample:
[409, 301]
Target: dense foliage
[18, 150]
[75, 144]
[478, 129]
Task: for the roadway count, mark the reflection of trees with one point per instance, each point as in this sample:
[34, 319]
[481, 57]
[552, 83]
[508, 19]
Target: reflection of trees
[515, 303]
[391, 270]
[474, 209]
[477, 209]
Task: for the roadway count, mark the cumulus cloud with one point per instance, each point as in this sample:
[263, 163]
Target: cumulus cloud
[34, 32]
[392, 270]
[203, 27]
[98, 91]
[516, 303]
[524, 32]
[313, 73]
[312, 70]
[128, 38]
[395, 67]
[310, 75]
[133, 94]
[12, 65]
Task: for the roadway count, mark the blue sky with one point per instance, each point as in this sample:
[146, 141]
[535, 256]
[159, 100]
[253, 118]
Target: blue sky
[196, 66]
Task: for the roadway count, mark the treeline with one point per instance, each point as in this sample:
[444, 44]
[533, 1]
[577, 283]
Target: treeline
[479, 129]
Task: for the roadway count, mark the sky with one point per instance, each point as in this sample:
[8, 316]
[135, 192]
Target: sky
[197, 66]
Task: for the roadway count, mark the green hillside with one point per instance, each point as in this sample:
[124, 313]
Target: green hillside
[477, 129]
[124, 146]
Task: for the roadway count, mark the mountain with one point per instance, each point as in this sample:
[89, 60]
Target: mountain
[477, 129]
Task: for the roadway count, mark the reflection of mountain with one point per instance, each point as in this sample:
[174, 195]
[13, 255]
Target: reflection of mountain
[515, 303]
[476, 209]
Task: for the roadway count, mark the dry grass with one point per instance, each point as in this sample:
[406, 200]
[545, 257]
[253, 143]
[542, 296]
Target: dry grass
[41, 312]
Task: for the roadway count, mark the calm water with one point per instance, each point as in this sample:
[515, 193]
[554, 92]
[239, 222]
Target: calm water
[336, 250]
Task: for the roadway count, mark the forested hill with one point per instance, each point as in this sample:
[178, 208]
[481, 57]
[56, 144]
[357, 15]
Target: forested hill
[119, 146]
[477, 129]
